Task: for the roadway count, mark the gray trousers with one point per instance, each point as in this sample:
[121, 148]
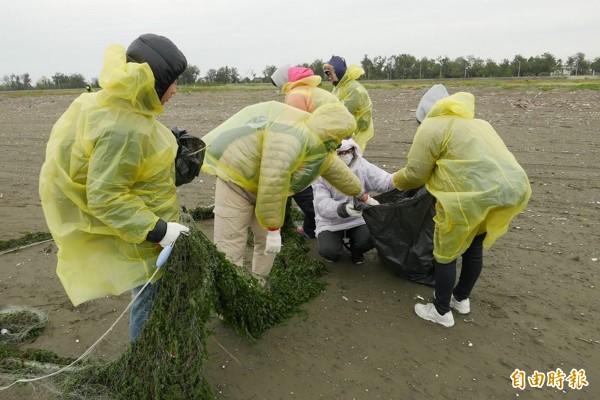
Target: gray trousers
[331, 244]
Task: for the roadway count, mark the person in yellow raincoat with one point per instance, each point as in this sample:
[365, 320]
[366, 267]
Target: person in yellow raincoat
[107, 185]
[479, 188]
[263, 154]
[300, 86]
[354, 96]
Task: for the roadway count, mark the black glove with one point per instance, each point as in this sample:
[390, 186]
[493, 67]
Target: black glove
[346, 210]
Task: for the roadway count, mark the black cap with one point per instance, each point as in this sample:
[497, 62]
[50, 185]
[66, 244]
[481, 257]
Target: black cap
[164, 58]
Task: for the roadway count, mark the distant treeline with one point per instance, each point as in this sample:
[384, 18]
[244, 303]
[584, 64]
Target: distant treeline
[403, 66]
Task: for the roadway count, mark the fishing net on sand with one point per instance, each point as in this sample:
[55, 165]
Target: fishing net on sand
[166, 362]
[19, 324]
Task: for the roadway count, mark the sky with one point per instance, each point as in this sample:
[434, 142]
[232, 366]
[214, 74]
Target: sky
[43, 37]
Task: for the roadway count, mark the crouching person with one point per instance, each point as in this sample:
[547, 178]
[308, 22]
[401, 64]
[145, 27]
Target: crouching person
[338, 216]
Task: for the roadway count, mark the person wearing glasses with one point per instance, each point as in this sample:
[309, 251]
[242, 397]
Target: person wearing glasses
[353, 95]
[339, 217]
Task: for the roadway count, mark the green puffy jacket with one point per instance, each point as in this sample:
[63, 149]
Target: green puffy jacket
[275, 150]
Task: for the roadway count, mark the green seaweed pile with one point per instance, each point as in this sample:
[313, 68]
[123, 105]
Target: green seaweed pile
[166, 362]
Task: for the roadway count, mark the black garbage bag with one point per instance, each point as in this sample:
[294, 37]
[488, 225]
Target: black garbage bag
[402, 230]
[190, 156]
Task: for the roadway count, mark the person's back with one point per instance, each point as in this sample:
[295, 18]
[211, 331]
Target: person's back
[479, 188]
[450, 145]
[274, 151]
[261, 155]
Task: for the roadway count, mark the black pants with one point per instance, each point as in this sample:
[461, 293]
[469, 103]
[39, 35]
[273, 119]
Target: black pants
[445, 276]
[331, 244]
[304, 199]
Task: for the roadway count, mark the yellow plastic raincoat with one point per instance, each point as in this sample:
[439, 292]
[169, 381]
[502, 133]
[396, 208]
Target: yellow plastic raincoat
[305, 94]
[275, 150]
[465, 165]
[356, 99]
[107, 179]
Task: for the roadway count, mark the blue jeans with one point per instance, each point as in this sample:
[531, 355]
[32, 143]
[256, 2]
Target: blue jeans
[141, 308]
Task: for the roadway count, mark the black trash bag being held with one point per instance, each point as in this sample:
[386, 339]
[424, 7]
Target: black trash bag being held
[190, 156]
[402, 230]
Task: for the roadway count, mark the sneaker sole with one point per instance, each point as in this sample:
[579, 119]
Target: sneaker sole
[458, 310]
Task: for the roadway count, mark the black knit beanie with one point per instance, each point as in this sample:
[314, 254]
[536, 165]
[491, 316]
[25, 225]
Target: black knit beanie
[164, 58]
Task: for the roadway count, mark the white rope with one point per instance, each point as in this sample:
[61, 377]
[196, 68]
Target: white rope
[89, 350]
[25, 246]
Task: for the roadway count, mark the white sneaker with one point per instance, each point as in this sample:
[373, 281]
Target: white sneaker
[461, 307]
[429, 313]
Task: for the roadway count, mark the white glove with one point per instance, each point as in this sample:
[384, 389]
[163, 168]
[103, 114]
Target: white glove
[371, 201]
[352, 212]
[173, 231]
[273, 242]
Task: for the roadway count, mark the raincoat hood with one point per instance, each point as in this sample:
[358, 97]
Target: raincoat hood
[461, 104]
[298, 76]
[131, 85]
[348, 144]
[287, 78]
[331, 122]
[302, 91]
[352, 73]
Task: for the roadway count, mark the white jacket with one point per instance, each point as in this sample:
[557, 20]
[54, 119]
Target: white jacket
[327, 199]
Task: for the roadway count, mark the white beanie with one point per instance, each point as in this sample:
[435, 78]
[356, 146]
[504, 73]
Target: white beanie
[435, 93]
[280, 76]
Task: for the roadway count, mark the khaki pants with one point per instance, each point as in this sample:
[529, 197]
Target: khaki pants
[234, 214]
